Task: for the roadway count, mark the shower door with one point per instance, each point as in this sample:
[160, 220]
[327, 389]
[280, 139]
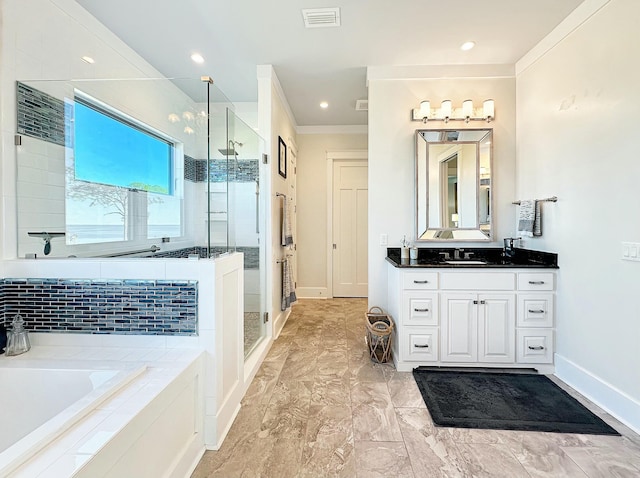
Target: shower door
[246, 221]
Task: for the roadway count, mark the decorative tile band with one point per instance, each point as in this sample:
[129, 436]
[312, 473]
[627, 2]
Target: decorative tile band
[240, 171]
[133, 307]
[40, 115]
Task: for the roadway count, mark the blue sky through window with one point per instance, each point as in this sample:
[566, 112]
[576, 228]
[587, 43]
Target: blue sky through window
[109, 151]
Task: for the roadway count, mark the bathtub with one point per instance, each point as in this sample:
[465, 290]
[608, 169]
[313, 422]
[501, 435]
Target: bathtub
[39, 404]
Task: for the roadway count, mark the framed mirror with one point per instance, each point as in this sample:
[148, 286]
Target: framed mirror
[453, 185]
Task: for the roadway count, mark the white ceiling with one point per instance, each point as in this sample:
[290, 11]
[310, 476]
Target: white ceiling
[323, 63]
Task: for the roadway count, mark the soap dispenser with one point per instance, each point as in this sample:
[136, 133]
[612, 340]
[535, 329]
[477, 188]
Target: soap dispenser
[18, 339]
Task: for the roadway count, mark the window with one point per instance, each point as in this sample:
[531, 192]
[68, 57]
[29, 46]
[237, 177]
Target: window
[114, 151]
[122, 182]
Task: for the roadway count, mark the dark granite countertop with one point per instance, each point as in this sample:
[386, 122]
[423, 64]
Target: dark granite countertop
[493, 257]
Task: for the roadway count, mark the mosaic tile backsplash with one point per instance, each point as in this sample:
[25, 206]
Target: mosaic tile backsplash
[133, 307]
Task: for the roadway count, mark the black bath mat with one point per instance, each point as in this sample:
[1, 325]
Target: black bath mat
[504, 401]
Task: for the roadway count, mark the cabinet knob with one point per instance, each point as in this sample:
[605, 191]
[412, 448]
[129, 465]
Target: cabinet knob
[536, 311]
[420, 281]
[475, 302]
[421, 346]
[421, 310]
[536, 282]
[537, 347]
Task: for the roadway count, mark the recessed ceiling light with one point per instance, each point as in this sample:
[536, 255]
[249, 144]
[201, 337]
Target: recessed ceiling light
[88, 59]
[467, 45]
[197, 58]
[324, 105]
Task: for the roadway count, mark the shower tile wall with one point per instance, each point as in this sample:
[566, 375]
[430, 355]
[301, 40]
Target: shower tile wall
[133, 307]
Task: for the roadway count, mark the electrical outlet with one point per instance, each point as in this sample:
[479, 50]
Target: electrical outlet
[384, 240]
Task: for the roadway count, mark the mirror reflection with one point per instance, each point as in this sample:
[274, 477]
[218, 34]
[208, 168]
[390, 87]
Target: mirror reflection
[453, 185]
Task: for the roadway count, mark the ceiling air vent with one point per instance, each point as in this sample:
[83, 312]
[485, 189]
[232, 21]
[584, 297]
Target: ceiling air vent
[362, 105]
[321, 17]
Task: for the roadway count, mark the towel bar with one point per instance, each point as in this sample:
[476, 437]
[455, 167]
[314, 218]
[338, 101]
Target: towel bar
[551, 199]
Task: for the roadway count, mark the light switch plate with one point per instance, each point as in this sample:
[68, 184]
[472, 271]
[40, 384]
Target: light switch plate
[631, 251]
[384, 239]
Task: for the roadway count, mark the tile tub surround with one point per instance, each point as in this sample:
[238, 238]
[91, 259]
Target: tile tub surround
[123, 432]
[139, 307]
[326, 421]
[493, 256]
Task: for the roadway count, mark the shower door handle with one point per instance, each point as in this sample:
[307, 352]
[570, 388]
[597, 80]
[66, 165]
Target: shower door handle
[258, 207]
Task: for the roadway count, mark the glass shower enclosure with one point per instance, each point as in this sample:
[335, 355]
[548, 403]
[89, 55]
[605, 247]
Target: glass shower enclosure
[131, 168]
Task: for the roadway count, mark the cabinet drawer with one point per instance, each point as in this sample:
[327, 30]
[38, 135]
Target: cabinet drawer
[535, 310]
[419, 344]
[420, 280]
[420, 308]
[536, 281]
[477, 281]
[535, 345]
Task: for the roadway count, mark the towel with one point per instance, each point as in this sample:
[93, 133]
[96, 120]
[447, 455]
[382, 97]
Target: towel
[287, 234]
[288, 287]
[530, 219]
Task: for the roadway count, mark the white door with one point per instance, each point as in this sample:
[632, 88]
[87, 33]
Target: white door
[496, 328]
[350, 209]
[459, 327]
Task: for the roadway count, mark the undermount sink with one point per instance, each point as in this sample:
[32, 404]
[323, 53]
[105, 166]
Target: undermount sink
[466, 262]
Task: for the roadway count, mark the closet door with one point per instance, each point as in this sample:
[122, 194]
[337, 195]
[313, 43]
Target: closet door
[350, 209]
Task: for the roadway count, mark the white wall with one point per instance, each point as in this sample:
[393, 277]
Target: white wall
[391, 156]
[275, 120]
[312, 206]
[577, 139]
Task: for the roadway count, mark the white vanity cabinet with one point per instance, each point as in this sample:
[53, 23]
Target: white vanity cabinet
[471, 317]
[478, 327]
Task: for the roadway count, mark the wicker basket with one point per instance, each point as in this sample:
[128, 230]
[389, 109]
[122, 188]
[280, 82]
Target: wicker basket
[379, 328]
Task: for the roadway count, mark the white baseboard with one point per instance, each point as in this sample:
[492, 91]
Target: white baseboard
[615, 402]
[281, 319]
[311, 292]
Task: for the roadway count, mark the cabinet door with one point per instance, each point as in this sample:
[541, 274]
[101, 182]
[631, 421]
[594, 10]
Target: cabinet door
[459, 322]
[496, 328]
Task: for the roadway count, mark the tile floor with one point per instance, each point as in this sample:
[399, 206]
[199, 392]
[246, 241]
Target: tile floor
[318, 407]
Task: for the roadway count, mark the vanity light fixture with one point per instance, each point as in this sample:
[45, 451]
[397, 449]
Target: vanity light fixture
[467, 110]
[447, 112]
[489, 110]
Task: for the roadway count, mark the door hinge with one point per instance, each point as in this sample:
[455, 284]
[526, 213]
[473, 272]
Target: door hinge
[335, 246]
[17, 140]
[265, 158]
[266, 317]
